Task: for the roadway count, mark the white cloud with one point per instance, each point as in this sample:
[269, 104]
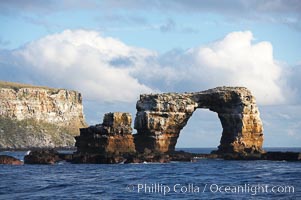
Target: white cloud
[232, 61]
[82, 60]
[107, 70]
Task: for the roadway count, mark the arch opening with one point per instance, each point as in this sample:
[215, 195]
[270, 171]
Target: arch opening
[203, 130]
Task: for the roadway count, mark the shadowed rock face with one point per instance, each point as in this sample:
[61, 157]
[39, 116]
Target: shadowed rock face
[161, 117]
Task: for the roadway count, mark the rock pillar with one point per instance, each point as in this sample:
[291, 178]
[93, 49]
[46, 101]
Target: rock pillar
[114, 135]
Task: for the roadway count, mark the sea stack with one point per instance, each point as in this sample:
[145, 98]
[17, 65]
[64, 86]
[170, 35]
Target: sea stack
[113, 136]
[161, 117]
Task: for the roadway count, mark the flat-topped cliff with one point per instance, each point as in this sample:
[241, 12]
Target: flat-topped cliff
[35, 116]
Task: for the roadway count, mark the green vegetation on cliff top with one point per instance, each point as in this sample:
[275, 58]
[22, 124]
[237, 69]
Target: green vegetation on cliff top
[16, 86]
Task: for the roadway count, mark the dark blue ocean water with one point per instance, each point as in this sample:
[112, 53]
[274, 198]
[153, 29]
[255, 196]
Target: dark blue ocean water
[204, 179]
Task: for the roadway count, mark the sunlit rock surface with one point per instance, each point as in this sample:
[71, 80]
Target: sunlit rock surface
[161, 117]
[114, 136]
[34, 116]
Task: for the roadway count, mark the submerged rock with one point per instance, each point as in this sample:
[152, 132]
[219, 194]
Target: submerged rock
[276, 156]
[52, 157]
[9, 160]
[96, 159]
[241, 156]
[287, 156]
[42, 157]
[148, 157]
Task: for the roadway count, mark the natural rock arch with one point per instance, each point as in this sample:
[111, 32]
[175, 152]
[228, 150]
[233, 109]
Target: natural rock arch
[161, 117]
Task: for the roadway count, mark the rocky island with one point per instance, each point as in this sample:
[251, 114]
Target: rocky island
[38, 117]
[159, 121]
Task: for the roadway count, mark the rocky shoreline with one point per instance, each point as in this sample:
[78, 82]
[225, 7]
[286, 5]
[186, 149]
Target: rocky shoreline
[71, 148]
[112, 142]
[51, 156]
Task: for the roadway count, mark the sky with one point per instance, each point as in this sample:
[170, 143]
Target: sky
[112, 51]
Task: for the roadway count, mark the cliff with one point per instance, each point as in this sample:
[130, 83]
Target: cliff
[34, 116]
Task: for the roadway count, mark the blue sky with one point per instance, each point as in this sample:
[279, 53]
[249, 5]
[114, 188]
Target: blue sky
[111, 51]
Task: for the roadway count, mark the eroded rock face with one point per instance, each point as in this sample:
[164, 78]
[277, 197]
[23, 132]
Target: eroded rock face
[59, 106]
[25, 108]
[114, 136]
[161, 117]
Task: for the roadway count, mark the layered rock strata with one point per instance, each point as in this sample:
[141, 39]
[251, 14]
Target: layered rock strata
[33, 116]
[113, 136]
[161, 117]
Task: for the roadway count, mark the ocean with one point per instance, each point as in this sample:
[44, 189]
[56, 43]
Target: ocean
[203, 179]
